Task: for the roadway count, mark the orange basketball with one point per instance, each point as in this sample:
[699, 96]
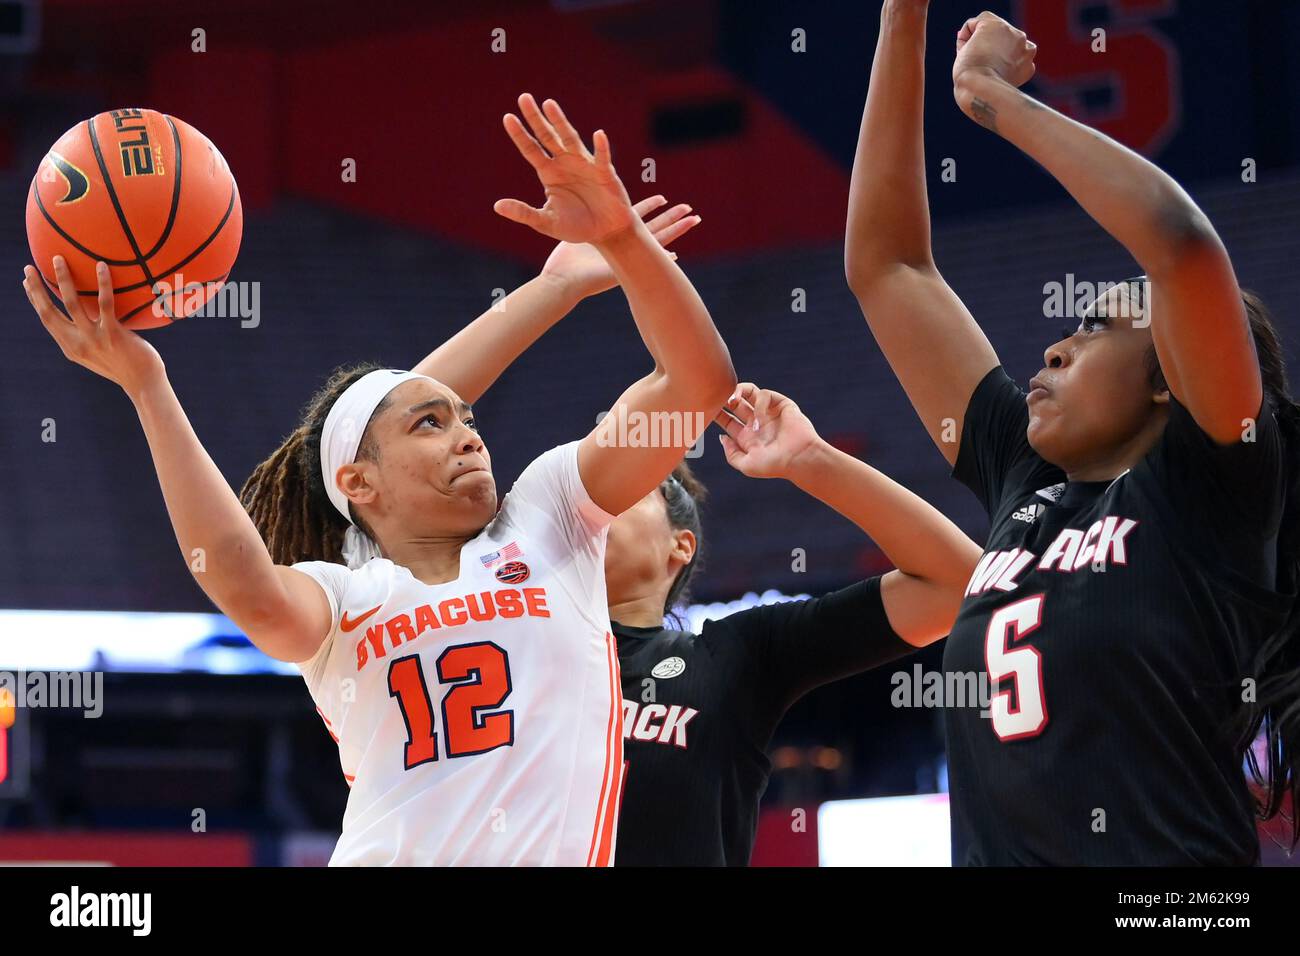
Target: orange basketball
[147, 194]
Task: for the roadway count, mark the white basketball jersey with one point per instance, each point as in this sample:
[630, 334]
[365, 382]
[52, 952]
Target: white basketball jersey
[479, 722]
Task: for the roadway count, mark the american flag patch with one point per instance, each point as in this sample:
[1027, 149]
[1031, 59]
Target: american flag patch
[508, 553]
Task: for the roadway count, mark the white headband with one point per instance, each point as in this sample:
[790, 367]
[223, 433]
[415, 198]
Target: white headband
[340, 439]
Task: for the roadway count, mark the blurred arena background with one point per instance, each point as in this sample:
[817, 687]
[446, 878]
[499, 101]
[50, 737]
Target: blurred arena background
[205, 751]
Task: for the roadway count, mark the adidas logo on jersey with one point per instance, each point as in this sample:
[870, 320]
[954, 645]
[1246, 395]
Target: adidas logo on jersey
[1029, 513]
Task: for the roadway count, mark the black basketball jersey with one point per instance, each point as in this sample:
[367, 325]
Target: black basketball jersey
[1113, 624]
[699, 711]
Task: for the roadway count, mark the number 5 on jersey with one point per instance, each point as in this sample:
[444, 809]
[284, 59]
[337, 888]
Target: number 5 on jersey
[1023, 666]
[480, 679]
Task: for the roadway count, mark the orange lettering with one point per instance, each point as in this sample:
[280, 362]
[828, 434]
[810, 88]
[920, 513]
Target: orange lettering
[375, 635]
[484, 613]
[510, 604]
[399, 629]
[536, 600]
[425, 619]
[445, 610]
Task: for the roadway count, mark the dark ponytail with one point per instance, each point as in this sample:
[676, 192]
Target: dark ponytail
[285, 495]
[1275, 713]
[684, 494]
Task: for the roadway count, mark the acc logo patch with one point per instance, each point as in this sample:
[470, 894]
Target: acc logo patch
[668, 667]
[512, 572]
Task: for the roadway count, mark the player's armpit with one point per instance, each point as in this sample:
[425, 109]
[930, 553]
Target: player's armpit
[294, 629]
[920, 611]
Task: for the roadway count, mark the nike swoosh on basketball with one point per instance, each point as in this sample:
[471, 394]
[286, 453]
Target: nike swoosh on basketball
[78, 184]
[345, 625]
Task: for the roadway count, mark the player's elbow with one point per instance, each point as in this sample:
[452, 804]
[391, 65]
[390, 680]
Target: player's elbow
[862, 270]
[880, 280]
[870, 261]
[1181, 237]
[709, 386]
[723, 383]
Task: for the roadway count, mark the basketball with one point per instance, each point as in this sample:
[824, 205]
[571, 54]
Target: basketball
[147, 194]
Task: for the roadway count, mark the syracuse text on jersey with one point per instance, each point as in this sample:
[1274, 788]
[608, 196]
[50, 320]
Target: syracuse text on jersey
[1097, 548]
[505, 603]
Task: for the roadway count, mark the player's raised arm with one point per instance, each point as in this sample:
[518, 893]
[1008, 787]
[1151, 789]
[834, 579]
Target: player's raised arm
[471, 360]
[1199, 322]
[931, 341]
[934, 559]
[283, 612]
[586, 202]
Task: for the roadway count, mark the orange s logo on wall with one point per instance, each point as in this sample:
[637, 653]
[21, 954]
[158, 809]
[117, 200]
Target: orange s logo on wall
[7, 715]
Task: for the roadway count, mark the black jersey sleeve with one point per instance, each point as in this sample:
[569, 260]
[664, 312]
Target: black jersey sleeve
[798, 645]
[994, 449]
[1230, 497]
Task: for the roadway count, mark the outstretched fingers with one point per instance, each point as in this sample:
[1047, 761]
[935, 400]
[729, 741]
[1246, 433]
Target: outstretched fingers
[648, 205]
[603, 155]
[738, 413]
[730, 450]
[524, 142]
[672, 224]
[63, 330]
[520, 212]
[729, 423]
[68, 290]
[539, 125]
[762, 407]
[564, 129]
[40, 299]
[104, 277]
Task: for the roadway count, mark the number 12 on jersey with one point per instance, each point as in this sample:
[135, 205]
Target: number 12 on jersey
[479, 675]
[1023, 666]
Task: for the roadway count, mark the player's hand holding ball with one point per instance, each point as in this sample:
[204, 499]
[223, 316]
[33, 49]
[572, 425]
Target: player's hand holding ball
[91, 335]
[585, 200]
[766, 433]
[990, 45]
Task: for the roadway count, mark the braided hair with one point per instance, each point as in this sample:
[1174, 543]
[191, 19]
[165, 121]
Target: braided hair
[285, 495]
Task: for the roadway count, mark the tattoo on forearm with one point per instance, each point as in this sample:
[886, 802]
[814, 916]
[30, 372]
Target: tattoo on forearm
[984, 114]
